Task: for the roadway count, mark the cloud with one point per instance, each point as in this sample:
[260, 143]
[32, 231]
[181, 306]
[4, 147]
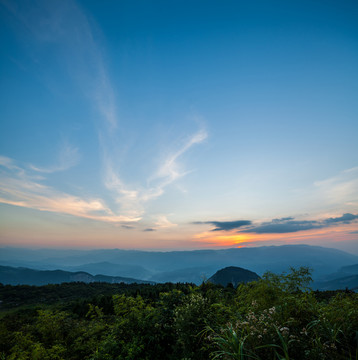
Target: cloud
[169, 171]
[149, 229]
[163, 222]
[132, 199]
[279, 226]
[126, 198]
[285, 226]
[24, 188]
[128, 227]
[340, 190]
[68, 157]
[73, 39]
[282, 219]
[7, 162]
[288, 225]
[345, 218]
[19, 188]
[225, 225]
[64, 24]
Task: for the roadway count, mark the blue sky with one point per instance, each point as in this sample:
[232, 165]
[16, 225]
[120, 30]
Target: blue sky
[142, 124]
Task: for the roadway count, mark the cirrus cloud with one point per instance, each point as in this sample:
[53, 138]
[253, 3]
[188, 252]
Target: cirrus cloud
[20, 188]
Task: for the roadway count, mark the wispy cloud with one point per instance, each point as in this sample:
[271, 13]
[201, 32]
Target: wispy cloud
[162, 222]
[64, 24]
[169, 170]
[132, 199]
[341, 190]
[126, 198]
[24, 187]
[19, 188]
[68, 157]
[8, 163]
[75, 39]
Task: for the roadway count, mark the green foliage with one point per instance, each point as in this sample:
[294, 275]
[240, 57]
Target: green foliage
[273, 289]
[231, 344]
[277, 317]
[295, 280]
[280, 318]
[125, 305]
[190, 319]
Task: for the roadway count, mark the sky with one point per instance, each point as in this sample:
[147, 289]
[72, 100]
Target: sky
[178, 124]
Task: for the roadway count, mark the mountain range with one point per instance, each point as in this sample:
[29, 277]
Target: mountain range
[24, 276]
[184, 266]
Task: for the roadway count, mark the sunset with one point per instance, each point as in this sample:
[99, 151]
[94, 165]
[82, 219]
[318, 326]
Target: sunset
[124, 125]
[178, 179]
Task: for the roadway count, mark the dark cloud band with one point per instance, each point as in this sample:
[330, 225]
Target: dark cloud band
[225, 225]
[284, 227]
[289, 225]
[345, 218]
[278, 226]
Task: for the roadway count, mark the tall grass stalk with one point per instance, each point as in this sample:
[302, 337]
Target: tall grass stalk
[231, 345]
[283, 347]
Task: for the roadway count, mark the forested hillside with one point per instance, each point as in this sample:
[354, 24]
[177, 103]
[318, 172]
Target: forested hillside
[233, 275]
[24, 276]
[276, 317]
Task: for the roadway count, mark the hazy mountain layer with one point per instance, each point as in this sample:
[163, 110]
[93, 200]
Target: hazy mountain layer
[24, 276]
[347, 282]
[181, 266]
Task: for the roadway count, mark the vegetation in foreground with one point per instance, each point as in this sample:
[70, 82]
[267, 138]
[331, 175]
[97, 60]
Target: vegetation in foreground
[277, 317]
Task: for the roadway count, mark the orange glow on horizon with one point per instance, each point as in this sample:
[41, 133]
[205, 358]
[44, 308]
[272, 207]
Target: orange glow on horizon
[234, 239]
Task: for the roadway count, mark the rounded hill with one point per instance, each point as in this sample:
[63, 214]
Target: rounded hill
[234, 275]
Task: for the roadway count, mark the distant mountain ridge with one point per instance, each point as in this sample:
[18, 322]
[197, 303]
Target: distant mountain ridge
[233, 275]
[181, 266]
[349, 282]
[351, 269]
[112, 269]
[344, 277]
[24, 276]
